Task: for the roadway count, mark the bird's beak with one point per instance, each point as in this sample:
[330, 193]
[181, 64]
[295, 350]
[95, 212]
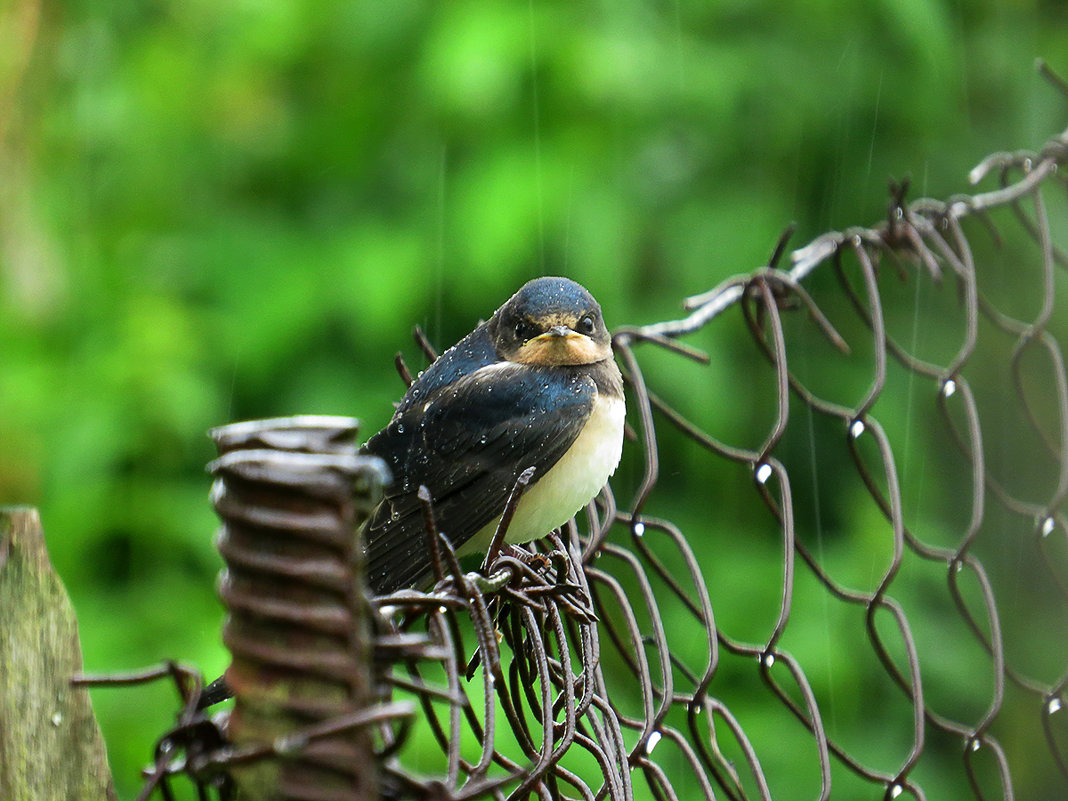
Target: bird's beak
[558, 332]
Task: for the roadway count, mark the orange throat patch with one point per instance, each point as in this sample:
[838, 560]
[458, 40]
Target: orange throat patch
[548, 350]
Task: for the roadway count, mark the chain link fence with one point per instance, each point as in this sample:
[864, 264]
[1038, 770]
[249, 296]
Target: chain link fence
[900, 455]
[834, 563]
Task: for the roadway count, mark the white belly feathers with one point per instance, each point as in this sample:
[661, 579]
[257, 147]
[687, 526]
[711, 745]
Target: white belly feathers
[570, 483]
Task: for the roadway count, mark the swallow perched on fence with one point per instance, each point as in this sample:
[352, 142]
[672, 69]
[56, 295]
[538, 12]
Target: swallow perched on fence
[535, 386]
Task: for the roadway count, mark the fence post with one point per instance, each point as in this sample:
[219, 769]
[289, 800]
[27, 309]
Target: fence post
[50, 744]
[292, 494]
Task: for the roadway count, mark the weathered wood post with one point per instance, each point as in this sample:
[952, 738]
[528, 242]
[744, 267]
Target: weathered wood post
[50, 744]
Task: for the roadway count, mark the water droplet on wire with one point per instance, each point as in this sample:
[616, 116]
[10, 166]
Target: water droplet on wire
[763, 473]
[651, 743]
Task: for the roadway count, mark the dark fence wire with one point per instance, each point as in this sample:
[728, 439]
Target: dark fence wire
[545, 675]
[572, 673]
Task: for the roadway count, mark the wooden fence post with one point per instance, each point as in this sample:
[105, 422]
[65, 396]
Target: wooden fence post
[50, 744]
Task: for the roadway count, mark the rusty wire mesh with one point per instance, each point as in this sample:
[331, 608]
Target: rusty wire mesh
[889, 446]
[902, 456]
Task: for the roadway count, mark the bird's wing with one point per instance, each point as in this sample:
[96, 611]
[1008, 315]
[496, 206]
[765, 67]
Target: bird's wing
[467, 443]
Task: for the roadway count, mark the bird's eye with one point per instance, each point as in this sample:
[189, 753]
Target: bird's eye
[585, 325]
[525, 330]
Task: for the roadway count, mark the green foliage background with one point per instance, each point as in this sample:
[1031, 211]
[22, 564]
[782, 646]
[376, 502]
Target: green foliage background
[211, 212]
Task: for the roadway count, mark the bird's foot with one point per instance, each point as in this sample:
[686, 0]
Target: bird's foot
[536, 561]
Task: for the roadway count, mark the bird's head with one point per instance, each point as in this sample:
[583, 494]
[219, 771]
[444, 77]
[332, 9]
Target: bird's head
[551, 322]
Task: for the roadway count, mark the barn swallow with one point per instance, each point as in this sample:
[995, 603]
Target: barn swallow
[535, 386]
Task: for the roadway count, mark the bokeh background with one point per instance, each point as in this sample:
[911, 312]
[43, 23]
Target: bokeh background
[212, 212]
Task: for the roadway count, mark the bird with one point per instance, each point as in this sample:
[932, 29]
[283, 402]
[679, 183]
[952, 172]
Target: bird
[534, 386]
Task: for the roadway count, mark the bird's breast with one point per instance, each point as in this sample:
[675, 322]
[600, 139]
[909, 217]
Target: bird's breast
[569, 484]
